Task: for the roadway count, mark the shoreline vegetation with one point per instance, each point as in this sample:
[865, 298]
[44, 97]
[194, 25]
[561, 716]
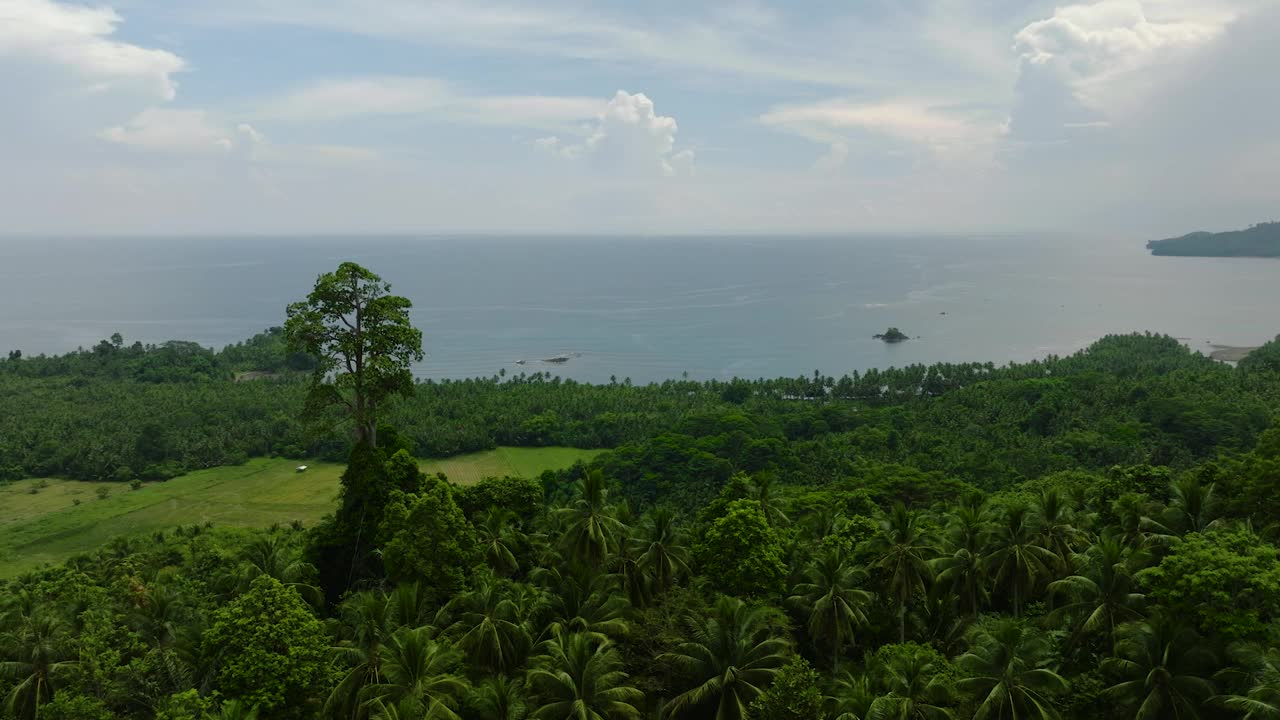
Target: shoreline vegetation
[1261, 241]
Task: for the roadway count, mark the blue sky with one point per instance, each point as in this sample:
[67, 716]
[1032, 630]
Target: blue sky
[279, 116]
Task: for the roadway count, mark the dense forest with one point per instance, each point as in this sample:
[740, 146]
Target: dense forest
[1261, 240]
[1091, 536]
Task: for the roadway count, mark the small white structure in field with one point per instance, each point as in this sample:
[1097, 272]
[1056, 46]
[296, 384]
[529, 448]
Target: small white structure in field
[301, 468]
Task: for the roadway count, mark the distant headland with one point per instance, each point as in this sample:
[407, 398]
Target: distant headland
[1261, 240]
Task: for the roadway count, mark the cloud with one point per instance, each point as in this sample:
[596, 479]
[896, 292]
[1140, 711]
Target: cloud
[185, 131]
[78, 39]
[628, 137]
[431, 98]
[1099, 52]
[915, 122]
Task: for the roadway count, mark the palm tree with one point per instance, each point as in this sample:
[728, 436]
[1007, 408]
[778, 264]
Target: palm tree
[851, 697]
[833, 600]
[1104, 593]
[1006, 672]
[1016, 559]
[500, 540]
[488, 627]
[579, 677]
[763, 494]
[733, 655]
[273, 555]
[591, 528]
[499, 698]
[660, 549]
[1257, 674]
[902, 553]
[367, 621]
[1057, 532]
[961, 575]
[1192, 508]
[40, 662]
[914, 688]
[583, 600]
[1164, 660]
[418, 676]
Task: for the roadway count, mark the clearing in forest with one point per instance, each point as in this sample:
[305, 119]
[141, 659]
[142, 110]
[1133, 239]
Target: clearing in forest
[49, 526]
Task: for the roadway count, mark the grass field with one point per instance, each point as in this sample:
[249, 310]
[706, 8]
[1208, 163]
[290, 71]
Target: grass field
[48, 526]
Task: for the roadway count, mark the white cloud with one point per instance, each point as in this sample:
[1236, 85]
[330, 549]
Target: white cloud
[1099, 51]
[905, 120]
[78, 39]
[430, 98]
[172, 130]
[629, 137]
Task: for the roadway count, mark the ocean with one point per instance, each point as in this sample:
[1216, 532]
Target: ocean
[651, 309]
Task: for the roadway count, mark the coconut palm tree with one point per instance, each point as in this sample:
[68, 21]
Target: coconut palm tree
[763, 494]
[418, 675]
[913, 687]
[1166, 662]
[367, 621]
[960, 574]
[1257, 675]
[499, 698]
[1192, 508]
[591, 527]
[832, 598]
[487, 626]
[1016, 558]
[902, 553]
[1057, 531]
[1103, 594]
[499, 540]
[660, 549]
[732, 655]
[1006, 672]
[38, 662]
[851, 697]
[582, 600]
[579, 677]
[274, 555]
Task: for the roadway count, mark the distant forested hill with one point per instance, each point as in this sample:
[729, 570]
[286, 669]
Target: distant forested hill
[1261, 240]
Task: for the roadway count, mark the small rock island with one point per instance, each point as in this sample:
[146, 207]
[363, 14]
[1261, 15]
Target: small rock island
[892, 335]
[1261, 240]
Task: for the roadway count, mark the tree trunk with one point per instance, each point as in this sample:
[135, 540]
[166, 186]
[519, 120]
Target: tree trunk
[902, 621]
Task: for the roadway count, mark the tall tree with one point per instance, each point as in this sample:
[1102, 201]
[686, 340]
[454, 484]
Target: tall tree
[418, 677]
[39, 661]
[831, 597]
[580, 678]
[1006, 672]
[1256, 679]
[1165, 664]
[902, 554]
[732, 656]
[363, 342]
[1103, 593]
[592, 528]
[660, 549]
[1017, 559]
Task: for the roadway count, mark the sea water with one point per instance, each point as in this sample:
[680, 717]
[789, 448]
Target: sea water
[651, 308]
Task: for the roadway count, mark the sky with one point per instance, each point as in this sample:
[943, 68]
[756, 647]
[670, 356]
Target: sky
[1116, 117]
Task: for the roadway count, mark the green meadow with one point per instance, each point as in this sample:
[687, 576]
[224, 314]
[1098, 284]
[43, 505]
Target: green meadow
[49, 526]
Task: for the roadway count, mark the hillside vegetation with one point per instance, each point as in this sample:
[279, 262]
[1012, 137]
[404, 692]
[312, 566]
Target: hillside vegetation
[1261, 240]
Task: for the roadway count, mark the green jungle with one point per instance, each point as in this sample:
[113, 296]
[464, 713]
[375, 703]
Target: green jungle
[1092, 536]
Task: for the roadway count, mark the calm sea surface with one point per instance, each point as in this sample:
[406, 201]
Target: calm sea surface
[651, 308]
